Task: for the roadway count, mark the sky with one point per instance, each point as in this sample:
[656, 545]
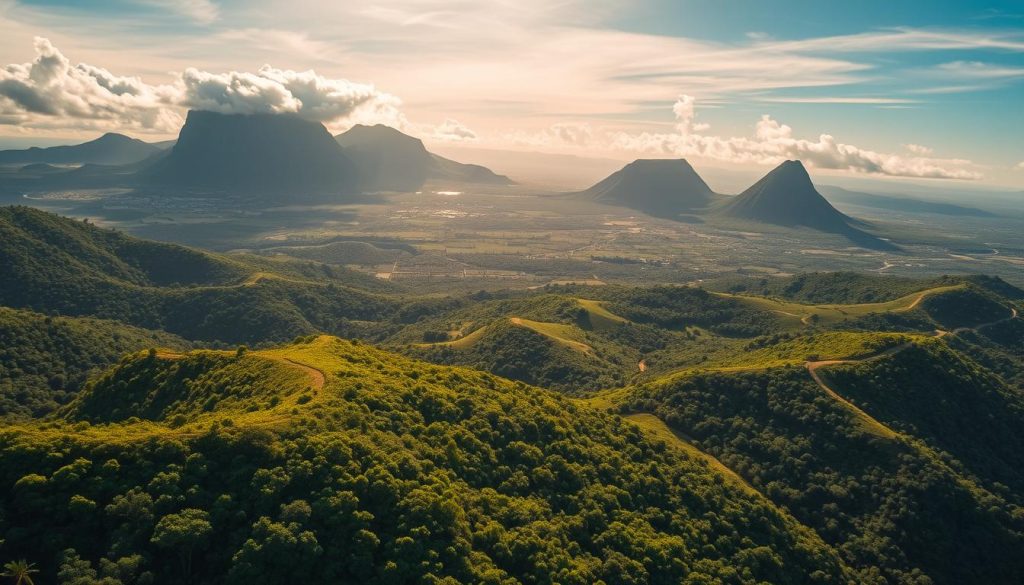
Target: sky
[905, 90]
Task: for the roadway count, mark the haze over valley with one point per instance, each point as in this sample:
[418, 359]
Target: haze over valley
[511, 293]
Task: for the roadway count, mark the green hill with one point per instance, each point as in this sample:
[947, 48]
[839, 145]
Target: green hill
[393, 471]
[56, 265]
[551, 355]
[45, 360]
[888, 503]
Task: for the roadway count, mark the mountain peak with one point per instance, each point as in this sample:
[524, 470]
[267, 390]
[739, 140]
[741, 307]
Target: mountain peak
[109, 149]
[391, 160]
[658, 187]
[786, 196]
[255, 152]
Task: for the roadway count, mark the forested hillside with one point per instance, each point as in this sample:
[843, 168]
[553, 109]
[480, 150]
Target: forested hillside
[392, 471]
[820, 428]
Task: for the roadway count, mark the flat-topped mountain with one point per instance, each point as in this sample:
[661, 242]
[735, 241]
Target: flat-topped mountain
[254, 153]
[658, 187]
[389, 160]
[109, 149]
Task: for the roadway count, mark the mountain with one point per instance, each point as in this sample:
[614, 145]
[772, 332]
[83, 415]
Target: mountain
[906, 204]
[109, 149]
[389, 160]
[659, 187]
[262, 153]
[787, 197]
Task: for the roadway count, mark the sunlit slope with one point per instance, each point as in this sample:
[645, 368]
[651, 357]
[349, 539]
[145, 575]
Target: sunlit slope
[875, 451]
[796, 315]
[392, 470]
[553, 355]
[56, 265]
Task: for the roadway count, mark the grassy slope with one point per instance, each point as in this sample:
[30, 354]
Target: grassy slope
[809, 453]
[390, 452]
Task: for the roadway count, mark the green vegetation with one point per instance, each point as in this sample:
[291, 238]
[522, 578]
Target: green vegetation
[888, 506]
[194, 294]
[812, 429]
[45, 360]
[396, 471]
[824, 287]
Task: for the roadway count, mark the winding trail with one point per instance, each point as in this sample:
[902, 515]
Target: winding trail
[315, 374]
[868, 420]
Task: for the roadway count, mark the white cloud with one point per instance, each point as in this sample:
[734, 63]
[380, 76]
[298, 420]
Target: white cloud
[453, 131]
[1020, 165]
[559, 135]
[52, 92]
[977, 70]
[774, 142]
[201, 11]
[918, 149]
[837, 100]
[276, 91]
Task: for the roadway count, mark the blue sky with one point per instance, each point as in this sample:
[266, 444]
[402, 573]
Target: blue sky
[888, 89]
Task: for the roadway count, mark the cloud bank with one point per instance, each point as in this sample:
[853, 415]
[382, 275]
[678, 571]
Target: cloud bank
[774, 142]
[50, 91]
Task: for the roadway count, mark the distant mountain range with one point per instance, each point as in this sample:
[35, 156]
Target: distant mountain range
[672, 189]
[256, 154]
[109, 149]
[389, 160]
[659, 187]
[261, 152]
[902, 203]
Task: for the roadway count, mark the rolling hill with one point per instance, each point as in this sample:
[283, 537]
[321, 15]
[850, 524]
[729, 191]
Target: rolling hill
[389, 160]
[229, 467]
[109, 149]
[57, 265]
[259, 153]
[658, 187]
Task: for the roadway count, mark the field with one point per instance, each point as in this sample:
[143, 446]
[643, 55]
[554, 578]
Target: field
[518, 237]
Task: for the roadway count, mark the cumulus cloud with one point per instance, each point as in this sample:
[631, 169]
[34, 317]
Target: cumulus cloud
[276, 91]
[453, 131]
[52, 92]
[561, 134]
[774, 142]
[918, 149]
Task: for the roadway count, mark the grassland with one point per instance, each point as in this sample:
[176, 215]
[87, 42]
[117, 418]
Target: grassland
[797, 315]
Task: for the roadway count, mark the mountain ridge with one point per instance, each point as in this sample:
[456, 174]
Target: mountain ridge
[390, 160]
[109, 149]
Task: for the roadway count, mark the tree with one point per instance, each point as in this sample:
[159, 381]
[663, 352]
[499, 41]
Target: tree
[21, 571]
[183, 532]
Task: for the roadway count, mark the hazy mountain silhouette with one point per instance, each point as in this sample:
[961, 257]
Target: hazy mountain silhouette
[901, 203]
[264, 153]
[389, 160]
[787, 197]
[109, 149]
[658, 187]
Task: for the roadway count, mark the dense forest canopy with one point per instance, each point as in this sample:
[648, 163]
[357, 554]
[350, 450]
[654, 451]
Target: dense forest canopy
[819, 428]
